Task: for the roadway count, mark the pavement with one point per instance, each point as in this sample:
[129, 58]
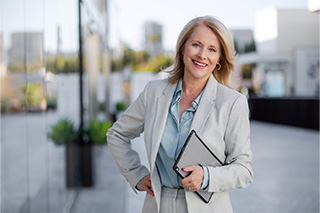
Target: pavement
[285, 165]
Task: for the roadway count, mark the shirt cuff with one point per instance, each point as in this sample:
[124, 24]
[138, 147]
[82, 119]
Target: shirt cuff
[205, 181]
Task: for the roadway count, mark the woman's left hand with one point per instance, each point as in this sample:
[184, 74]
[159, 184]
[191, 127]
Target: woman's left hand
[194, 181]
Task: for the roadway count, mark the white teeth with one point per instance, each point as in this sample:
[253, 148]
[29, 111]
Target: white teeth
[200, 64]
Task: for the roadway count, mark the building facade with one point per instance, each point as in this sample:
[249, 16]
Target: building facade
[3, 57]
[26, 46]
[243, 40]
[287, 59]
[33, 169]
[153, 38]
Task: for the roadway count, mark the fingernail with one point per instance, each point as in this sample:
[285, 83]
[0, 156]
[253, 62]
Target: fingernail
[183, 169]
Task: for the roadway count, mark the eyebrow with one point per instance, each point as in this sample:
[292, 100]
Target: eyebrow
[194, 40]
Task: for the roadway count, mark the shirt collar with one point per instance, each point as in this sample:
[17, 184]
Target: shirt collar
[196, 101]
[178, 93]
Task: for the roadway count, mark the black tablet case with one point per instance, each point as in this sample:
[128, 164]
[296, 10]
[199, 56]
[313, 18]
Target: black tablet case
[195, 152]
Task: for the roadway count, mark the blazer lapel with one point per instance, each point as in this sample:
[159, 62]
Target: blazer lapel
[206, 104]
[162, 104]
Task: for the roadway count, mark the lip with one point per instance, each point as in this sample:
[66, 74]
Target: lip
[197, 64]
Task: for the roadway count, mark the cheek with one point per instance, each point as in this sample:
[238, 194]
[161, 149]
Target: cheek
[188, 51]
[185, 55]
[215, 59]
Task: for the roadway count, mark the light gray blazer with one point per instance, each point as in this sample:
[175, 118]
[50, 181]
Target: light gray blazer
[221, 120]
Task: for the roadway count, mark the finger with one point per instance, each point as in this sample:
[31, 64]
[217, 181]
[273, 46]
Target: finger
[190, 168]
[184, 184]
[185, 181]
[189, 179]
[192, 187]
[194, 180]
[147, 189]
[144, 183]
[148, 185]
[150, 192]
[187, 184]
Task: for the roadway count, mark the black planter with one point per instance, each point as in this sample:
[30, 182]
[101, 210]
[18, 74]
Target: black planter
[73, 174]
[79, 164]
[87, 171]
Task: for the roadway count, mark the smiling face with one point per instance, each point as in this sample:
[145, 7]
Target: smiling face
[201, 53]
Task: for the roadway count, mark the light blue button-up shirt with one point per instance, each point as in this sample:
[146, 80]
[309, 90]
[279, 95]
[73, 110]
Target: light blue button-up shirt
[173, 139]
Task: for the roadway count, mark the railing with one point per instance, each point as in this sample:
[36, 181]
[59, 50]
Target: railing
[294, 111]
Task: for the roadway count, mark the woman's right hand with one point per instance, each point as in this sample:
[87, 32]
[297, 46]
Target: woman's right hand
[145, 185]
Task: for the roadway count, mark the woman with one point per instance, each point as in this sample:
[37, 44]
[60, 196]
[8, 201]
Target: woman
[196, 96]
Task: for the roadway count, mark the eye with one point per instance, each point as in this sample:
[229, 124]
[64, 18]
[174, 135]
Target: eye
[212, 50]
[195, 45]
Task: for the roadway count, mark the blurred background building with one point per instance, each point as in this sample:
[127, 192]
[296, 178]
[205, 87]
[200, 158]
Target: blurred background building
[283, 71]
[31, 42]
[244, 41]
[3, 55]
[285, 39]
[153, 38]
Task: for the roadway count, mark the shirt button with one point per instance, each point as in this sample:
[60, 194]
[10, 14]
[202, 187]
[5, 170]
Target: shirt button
[194, 104]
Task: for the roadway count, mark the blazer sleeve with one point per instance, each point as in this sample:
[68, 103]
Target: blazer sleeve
[129, 126]
[237, 174]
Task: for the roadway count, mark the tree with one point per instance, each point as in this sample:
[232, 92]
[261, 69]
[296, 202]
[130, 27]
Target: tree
[250, 47]
[61, 64]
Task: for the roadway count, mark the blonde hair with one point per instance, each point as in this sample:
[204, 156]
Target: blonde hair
[227, 49]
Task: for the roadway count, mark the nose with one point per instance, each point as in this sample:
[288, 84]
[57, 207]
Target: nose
[202, 53]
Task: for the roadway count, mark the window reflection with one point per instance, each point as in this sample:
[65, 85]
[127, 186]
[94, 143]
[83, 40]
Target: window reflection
[39, 86]
[33, 168]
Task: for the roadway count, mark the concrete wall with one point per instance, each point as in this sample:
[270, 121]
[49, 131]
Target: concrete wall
[296, 29]
[284, 30]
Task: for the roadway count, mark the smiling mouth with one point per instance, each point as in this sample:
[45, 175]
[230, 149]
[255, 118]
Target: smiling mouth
[199, 63]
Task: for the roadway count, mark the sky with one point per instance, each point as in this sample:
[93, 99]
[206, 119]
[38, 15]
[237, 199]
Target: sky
[127, 16]
[41, 16]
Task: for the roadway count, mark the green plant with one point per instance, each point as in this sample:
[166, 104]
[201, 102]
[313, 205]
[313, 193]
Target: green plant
[34, 93]
[97, 131]
[121, 106]
[62, 132]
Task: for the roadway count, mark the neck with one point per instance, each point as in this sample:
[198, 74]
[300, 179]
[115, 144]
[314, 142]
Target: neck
[193, 87]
